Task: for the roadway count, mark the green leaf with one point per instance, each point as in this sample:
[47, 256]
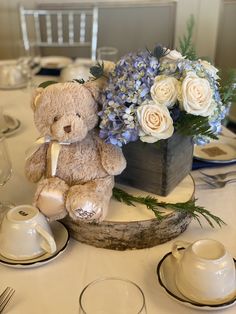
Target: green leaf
[157, 207]
[47, 83]
[228, 88]
[191, 125]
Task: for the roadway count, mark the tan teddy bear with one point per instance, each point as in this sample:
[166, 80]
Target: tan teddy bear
[77, 167]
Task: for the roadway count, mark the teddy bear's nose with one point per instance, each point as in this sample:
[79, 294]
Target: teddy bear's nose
[67, 129]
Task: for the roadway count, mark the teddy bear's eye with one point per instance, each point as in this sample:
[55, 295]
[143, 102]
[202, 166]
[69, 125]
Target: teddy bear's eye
[55, 119]
[78, 115]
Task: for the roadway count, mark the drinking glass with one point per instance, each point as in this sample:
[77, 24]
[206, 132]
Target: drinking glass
[3, 123]
[5, 173]
[107, 54]
[5, 162]
[112, 295]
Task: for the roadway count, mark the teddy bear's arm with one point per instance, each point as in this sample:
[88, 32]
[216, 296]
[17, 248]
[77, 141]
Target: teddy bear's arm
[112, 158]
[36, 164]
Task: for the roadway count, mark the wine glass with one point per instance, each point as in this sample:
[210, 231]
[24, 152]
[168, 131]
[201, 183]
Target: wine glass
[31, 63]
[107, 54]
[5, 162]
[5, 172]
[112, 295]
[3, 123]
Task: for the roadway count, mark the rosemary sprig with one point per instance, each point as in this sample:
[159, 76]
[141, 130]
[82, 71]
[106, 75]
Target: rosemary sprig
[228, 88]
[186, 45]
[157, 207]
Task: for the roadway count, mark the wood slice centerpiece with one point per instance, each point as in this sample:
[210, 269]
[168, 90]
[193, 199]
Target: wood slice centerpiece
[129, 227]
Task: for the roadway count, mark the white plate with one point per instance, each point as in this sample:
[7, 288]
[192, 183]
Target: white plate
[220, 151]
[61, 236]
[13, 125]
[53, 62]
[12, 87]
[166, 273]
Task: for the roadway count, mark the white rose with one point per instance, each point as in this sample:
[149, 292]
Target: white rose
[165, 90]
[196, 97]
[209, 68]
[172, 55]
[155, 122]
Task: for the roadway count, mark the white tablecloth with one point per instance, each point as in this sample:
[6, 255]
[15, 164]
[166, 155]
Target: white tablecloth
[55, 287]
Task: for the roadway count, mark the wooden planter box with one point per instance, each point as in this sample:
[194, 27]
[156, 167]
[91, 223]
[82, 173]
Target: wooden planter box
[157, 168]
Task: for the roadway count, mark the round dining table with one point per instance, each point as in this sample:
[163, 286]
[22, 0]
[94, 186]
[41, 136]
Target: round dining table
[54, 287]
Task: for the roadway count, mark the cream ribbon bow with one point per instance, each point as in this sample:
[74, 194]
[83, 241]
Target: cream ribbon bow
[54, 151]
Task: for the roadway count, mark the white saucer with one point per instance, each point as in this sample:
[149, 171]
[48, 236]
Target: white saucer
[166, 274]
[54, 62]
[61, 236]
[13, 125]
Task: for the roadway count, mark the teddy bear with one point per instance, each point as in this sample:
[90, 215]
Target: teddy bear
[74, 167]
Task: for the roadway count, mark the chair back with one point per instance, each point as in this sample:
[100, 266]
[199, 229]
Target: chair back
[56, 28]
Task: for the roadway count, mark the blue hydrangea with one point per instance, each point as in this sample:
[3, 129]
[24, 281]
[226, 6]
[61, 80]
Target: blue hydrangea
[128, 87]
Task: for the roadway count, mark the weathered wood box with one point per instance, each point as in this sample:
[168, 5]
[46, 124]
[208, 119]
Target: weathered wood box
[159, 167]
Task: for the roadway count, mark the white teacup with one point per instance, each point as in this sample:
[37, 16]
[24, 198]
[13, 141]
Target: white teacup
[25, 234]
[205, 271]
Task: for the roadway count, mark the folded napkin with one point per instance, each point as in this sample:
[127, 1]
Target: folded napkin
[198, 164]
[49, 72]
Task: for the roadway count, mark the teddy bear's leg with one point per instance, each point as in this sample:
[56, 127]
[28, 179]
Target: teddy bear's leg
[50, 198]
[90, 201]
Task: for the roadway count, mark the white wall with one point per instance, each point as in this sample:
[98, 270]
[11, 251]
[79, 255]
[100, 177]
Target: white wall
[206, 14]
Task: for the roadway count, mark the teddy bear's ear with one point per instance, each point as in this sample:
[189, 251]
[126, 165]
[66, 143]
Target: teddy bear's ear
[93, 88]
[35, 97]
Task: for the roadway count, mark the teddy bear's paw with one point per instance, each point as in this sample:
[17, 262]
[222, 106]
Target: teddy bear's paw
[50, 198]
[51, 205]
[89, 212]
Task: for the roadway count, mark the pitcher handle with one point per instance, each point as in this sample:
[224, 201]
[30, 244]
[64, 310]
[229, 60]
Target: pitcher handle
[50, 244]
[176, 245]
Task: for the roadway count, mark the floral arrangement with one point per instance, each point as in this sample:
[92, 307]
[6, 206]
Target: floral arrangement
[151, 95]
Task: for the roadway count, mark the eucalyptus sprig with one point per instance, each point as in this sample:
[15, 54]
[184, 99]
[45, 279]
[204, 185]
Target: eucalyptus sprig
[157, 207]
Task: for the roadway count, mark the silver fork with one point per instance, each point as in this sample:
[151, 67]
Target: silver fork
[5, 297]
[216, 184]
[219, 176]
